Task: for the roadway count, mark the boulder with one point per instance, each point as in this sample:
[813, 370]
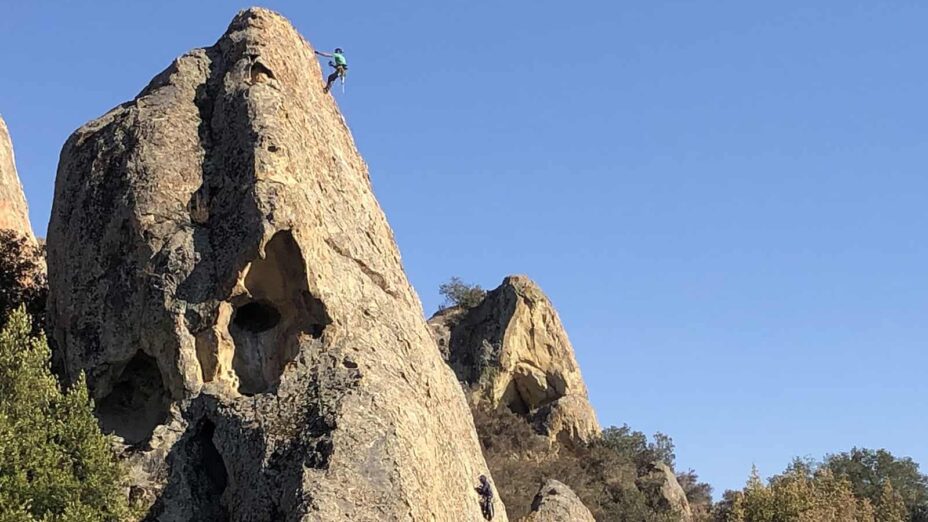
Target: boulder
[555, 502]
[511, 351]
[221, 271]
[659, 484]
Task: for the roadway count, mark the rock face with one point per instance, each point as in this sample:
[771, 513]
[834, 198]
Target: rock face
[222, 272]
[511, 351]
[660, 484]
[555, 502]
[14, 214]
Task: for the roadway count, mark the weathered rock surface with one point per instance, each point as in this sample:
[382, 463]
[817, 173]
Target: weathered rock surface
[660, 484]
[512, 351]
[220, 269]
[555, 502]
[14, 213]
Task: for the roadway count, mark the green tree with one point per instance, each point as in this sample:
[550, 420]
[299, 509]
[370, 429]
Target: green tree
[635, 445]
[55, 465]
[891, 506]
[698, 494]
[869, 470]
[800, 494]
[458, 293]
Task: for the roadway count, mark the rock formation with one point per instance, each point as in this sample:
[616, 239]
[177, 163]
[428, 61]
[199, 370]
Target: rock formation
[14, 213]
[660, 485]
[555, 502]
[220, 269]
[511, 351]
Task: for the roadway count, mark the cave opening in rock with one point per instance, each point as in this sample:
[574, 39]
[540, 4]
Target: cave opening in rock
[525, 393]
[136, 403]
[210, 477]
[514, 400]
[256, 317]
[277, 314]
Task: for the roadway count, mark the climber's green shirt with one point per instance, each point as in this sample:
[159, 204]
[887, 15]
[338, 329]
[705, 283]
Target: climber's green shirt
[339, 59]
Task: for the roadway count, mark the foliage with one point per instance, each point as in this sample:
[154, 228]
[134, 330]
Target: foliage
[635, 444]
[870, 470]
[22, 280]
[458, 293]
[811, 492]
[698, 494]
[55, 465]
[603, 473]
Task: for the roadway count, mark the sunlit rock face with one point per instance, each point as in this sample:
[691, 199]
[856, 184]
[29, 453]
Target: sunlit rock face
[555, 502]
[511, 351]
[14, 213]
[222, 273]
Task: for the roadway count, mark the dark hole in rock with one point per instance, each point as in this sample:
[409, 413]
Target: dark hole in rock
[137, 402]
[210, 477]
[514, 400]
[349, 364]
[272, 148]
[256, 317]
[267, 331]
[524, 394]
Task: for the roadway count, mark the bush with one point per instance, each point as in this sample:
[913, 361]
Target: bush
[603, 476]
[458, 293]
[810, 492]
[55, 464]
[22, 280]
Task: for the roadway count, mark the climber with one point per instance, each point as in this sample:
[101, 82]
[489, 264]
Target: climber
[486, 497]
[339, 64]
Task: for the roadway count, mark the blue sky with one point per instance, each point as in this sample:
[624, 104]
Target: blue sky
[725, 200]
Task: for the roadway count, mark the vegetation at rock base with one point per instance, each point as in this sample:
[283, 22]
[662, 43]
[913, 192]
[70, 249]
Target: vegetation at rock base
[458, 293]
[604, 473]
[857, 486]
[55, 464]
[870, 471]
[22, 281]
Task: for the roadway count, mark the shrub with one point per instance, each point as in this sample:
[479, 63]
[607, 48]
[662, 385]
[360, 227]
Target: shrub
[520, 460]
[55, 464]
[458, 293]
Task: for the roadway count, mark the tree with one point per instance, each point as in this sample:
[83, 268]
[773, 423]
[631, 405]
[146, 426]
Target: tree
[55, 464]
[698, 494]
[458, 293]
[891, 507]
[22, 279]
[800, 493]
[869, 470]
[635, 444]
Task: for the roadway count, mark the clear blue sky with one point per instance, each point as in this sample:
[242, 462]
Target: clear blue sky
[725, 200]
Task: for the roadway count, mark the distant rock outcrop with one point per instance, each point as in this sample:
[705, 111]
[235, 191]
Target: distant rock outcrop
[14, 213]
[512, 351]
[660, 485]
[555, 502]
[220, 269]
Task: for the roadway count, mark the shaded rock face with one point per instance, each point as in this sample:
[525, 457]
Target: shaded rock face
[555, 502]
[511, 351]
[14, 213]
[222, 272]
[659, 483]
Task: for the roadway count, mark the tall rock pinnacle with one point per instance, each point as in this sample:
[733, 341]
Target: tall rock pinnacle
[220, 269]
[14, 213]
[512, 351]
